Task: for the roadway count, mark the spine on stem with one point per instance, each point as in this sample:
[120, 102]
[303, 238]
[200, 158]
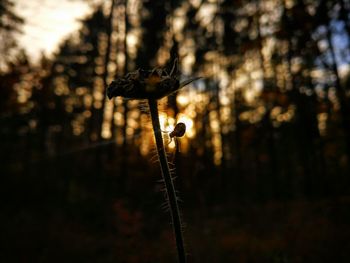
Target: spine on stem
[169, 185]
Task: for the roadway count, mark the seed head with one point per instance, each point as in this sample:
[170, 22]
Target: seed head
[147, 84]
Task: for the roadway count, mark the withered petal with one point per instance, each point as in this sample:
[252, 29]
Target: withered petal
[147, 84]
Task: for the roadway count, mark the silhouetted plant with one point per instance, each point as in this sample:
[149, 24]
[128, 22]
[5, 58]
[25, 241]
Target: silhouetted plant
[154, 85]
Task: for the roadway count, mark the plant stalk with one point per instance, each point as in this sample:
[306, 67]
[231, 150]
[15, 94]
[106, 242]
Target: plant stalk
[169, 186]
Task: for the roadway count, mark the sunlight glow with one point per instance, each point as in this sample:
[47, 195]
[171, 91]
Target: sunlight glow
[106, 132]
[279, 115]
[182, 100]
[249, 85]
[206, 13]
[322, 123]
[216, 136]
[47, 22]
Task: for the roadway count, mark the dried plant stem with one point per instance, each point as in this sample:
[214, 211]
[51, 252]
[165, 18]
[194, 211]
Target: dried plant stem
[169, 186]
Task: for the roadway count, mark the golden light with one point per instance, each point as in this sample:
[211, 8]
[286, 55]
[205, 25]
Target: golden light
[186, 52]
[106, 131]
[172, 144]
[163, 120]
[205, 14]
[87, 100]
[129, 131]
[24, 91]
[278, 115]
[60, 86]
[78, 125]
[118, 119]
[132, 41]
[48, 22]
[322, 123]
[87, 114]
[144, 147]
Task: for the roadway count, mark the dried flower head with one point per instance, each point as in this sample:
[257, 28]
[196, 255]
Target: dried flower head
[148, 84]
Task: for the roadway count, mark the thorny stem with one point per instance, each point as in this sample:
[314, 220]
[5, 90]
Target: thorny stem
[169, 186]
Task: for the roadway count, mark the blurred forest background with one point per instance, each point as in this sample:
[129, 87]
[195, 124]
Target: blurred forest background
[264, 166]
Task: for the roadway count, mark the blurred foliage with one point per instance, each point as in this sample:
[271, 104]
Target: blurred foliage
[263, 167]
[10, 23]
